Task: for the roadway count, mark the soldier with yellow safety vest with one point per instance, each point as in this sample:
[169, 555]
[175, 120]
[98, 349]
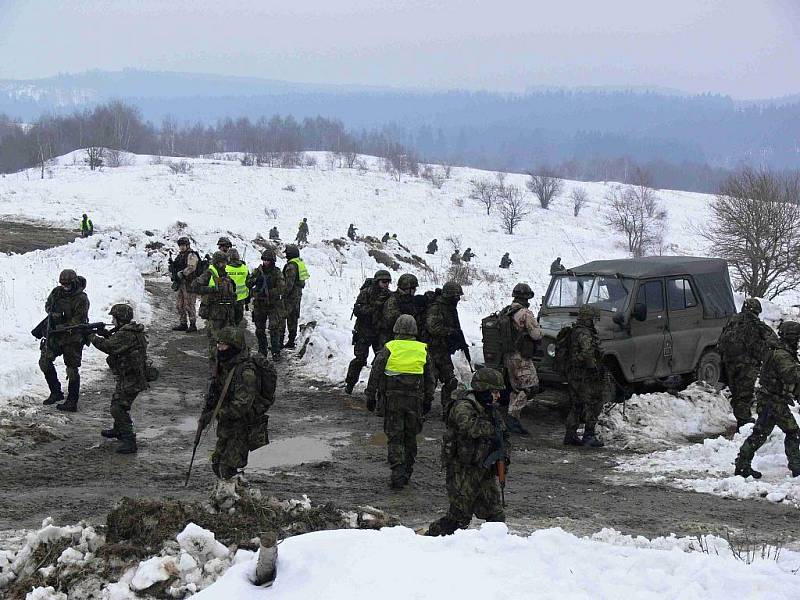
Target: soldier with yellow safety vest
[217, 300]
[295, 275]
[402, 378]
[238, 272]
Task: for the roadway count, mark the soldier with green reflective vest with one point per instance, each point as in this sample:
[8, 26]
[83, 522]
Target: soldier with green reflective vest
[238, 273]
[779, 385]
[66, 305]
[126, 346]
[474, 454]
[446, 336]
[217, 299]
[585, 376]
[402, 377]
[400, 302]
[224, 245]
[367, 310]
[742, 346]
[295, 275]
[267, 289]
[87, 227]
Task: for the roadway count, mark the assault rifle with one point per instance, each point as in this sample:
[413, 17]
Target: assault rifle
[173, 275]
[44, 329]
[498, 456]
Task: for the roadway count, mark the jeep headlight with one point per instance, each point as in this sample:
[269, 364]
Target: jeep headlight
[551, 350]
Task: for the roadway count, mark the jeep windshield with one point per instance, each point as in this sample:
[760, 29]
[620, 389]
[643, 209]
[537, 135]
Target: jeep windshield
[600, 291]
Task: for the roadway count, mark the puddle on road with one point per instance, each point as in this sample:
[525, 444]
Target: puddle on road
[186, 424]
[294, 451]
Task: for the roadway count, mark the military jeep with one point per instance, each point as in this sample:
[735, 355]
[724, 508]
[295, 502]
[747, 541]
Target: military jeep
[660, 319]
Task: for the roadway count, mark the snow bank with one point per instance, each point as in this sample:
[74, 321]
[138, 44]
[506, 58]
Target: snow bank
[708, 468]
[491, 563]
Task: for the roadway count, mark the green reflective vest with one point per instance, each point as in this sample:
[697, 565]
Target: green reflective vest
[302, 271]
[239, 277]
[406, 357]
[212, 283]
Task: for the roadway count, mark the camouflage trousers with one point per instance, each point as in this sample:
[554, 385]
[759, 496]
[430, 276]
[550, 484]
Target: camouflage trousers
[122, 400]
[471, 491]
[230, 453]
[586, 401]
[742, 383]
[361, 352]
[186, 304]
[72, 354]
[772, 410]
[445, 373]
[292, 318]
[402, 422]
[277, 321]
[522, 377]
[238, 312]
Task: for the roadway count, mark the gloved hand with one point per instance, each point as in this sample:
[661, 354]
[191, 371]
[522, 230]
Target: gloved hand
[426, 406]
[371, 402]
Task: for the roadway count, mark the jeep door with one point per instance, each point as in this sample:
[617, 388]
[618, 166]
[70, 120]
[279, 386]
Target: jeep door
[685, 323]
[652, 345]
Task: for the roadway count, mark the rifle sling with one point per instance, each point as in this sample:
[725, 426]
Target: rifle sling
[223, 393]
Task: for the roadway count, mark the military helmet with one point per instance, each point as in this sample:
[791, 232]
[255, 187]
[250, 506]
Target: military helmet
[486, 379]
[183, 241]
[451, 289]
[233, 336]
[123, 313]
[67, 276]
[268, 254]
[407, 281]
[752, 305]
[292, 251]
[382, 275]
[587, 313]
[789, 330]
[522, 290]
[233, 254]
[224, 241]
[405, 325]
[219, 257]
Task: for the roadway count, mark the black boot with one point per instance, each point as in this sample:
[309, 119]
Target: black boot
[111, 434]
[276, 357]
[56, 395]
[192, 327]
[591, 440]
[348, 388]
[180, 327]
[747, 471]
[73, 391]
[262, 344]
[742, 422]
[571, 439]
[399, 478]
[290, 345]
[127, 444]
[515, 426]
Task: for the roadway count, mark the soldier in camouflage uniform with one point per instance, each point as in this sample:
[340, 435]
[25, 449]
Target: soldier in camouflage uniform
[400, 302]
[293, 296]
[446, 336]
[126, 346]
[519, 364]
[302, 232]
[367, 311]
[184, 269]
[742, 347]
[224, 245]
[217, 300]
[267, 287]
[556, 268]
[351, 232]
[474, 429]
[505, 261]
[274, 234]
[433, 247]
[240, 402]
[584, 380]
[238, 272]
[468, 255]
[66, 305]
[780, 382]
[402, 375]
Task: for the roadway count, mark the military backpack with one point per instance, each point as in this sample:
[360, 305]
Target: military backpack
[266, 380]
[500, 337]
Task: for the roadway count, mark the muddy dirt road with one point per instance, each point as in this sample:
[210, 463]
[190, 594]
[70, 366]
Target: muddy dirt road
[16, 237]
[326, 445]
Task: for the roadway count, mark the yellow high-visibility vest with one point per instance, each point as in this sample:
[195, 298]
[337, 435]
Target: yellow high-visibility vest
[406, 357]
[239, 277]
[302, 271]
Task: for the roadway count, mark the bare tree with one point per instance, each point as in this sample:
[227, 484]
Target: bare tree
[545, 185]
[94, 157]
[350, 158]
[755, 226]
[484, 191]
[513, 207]
[434, 175]
[636, 212]
[579, 199]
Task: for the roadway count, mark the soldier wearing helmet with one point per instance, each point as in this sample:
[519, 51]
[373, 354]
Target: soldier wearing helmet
[302, 232]
[224, 244]
[66, 305]
[402, 378]
[351, 232]
[556, 267]
[446, 336]
[584, 374]
[87, 227]
[295, 274]
[519, 364]
[239, 396]
[267, 288]
[471, 437]
[433, 247]
[400, 302]
[274, 234]
[741, 345]
[184, 270]
[126, 346]
[779, 385]
[367, 310]
[505, 261]
[238, 272]
[468, 255]
[217, 300]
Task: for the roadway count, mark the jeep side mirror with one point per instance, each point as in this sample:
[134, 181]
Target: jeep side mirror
[640, 311]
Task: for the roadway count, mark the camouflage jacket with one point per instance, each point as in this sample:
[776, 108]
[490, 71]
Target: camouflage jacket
[215, 300]
[443, 327]
[584, 351]
[292, 284]
[780, 373]
[267, 287]
[127, 352]
[67, 308]
[368, 310]
[471, 434]
[381, 384]
[397, 304]
[743, 338]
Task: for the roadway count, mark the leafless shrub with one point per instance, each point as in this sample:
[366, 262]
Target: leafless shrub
[290, 160]
[484, 191]
[156, 160]
[500, 177]
[289, 188]
[454, 241]
[117, 158]
[248, 159]
[636, 212]
[579, 199]
[755, 226]
[513, 208]
[434, 175]
[362, 166]
[335, 268]
[461, 273]
[94, 157]
[181, 167]
[350, 159]
[310, 160]
[333, 160]
[271, 213]
[545, 185]
[448, 170]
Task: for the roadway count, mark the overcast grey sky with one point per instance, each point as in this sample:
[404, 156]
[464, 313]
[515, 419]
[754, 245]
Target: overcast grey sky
[745, 48]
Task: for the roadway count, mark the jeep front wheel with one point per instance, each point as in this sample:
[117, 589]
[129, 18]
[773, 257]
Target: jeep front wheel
[709, 368]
